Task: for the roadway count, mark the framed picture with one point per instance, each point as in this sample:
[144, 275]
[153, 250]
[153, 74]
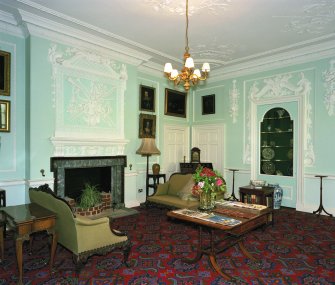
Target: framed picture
[147, 128]
[4, 115]
[208, 104]
[175, 103]
[147, 98]
[4, 73]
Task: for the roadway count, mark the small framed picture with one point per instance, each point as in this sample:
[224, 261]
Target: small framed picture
[4, 73]
[175, 103]
[147, 98]
[4, 115]
[147, 127]
[208, 104]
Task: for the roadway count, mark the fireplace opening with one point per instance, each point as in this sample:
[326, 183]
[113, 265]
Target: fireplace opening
[76, 178]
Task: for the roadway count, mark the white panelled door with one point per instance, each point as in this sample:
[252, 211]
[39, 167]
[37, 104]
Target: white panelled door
[209, 139]
[176, 146]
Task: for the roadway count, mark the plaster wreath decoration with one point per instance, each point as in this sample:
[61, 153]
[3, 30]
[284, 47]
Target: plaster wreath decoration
[208, 183]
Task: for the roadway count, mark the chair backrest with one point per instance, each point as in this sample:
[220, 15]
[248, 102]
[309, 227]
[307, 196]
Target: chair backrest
[65, 221]
[177, 181]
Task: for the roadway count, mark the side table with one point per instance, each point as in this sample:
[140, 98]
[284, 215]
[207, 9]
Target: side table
[321, 208]
[262, 196]
[155, 181]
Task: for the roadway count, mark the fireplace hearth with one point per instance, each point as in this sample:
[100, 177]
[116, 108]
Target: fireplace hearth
[107, 172]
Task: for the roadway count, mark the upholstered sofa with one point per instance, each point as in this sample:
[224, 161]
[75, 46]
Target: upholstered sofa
[175, 193]
[84, 237]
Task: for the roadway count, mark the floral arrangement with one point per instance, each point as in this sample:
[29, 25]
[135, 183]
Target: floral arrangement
[207, 180]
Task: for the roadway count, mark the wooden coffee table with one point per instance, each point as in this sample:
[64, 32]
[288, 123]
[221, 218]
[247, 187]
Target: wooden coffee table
[233, 234]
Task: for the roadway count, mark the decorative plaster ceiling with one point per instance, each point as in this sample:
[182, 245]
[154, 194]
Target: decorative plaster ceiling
[226, 33]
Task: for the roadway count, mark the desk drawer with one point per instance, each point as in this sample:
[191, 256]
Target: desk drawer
[40, 225]
[250, 225]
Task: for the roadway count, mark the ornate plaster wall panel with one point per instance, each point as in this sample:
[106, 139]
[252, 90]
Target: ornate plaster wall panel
[329, 83]
[284, 87]
[234, 95]
[88, 91]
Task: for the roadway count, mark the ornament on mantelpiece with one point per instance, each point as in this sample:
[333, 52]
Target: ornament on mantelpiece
[156, 168]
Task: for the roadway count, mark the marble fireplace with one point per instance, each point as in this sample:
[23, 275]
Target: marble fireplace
[71, 173]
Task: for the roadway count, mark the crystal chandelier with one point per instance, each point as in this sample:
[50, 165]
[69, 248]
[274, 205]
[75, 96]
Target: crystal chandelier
[188, 74]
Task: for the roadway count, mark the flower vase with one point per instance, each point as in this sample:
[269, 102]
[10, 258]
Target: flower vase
[277, 195]
[206, 200]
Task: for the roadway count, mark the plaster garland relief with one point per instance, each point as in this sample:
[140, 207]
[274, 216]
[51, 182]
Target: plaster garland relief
[88, 97]
[329, 83]
[315, 18]
[284, 86]
[234, 96]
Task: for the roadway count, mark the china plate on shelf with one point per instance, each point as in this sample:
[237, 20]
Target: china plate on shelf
[268, 153]
[268, 167]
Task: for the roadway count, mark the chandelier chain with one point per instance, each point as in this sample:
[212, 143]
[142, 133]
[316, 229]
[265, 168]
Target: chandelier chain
[186, 34]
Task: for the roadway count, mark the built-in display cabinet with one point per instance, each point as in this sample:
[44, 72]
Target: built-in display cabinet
[276, 149]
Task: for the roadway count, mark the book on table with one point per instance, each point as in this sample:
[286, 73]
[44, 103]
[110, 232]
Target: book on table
[210, 217]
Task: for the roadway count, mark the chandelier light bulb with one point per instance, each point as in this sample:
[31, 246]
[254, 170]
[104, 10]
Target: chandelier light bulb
[197, 72]
[174, 73]
[189, 63]
[205, 67]
[168, 67]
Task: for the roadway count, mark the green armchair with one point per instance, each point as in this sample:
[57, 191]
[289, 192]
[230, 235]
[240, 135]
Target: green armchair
[77, 233]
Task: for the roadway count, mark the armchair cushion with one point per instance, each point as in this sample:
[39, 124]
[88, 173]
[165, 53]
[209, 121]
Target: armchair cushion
[186, 192]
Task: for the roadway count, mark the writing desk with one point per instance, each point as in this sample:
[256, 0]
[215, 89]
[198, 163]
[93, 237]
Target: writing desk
[25, 220]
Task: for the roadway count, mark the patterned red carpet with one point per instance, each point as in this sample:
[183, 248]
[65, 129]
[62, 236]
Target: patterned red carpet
[298, 249]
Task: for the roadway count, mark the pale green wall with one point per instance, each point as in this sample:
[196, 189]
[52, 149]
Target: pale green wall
[33, 120]
[12, 149]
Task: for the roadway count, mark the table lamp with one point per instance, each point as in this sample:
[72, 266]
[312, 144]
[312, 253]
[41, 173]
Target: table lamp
[148, 148]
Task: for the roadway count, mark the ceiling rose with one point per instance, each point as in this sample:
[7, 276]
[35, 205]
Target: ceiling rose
[176, 7]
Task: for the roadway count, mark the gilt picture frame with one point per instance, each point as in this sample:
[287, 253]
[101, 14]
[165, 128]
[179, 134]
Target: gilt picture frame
[208, 104]
[4, 73]
[175, 103]
[147, 126]
[147, 98]
[4, 116]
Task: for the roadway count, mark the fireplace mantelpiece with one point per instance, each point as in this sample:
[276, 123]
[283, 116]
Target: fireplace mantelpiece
[58, 165]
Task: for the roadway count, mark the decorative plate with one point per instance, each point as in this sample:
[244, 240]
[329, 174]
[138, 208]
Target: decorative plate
[268, 153]
[268, 167]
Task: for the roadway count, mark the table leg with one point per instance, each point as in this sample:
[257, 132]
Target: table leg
[2, 246]
[199, 251]
[245, 251]
[217, 268]
[19, 242]
[53, 250]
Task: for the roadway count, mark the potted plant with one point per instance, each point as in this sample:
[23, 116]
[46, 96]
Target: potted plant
[90, 196]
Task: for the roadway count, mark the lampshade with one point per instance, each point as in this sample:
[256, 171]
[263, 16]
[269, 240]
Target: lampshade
[148, 147]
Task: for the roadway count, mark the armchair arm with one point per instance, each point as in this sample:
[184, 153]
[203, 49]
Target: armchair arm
[162, 189]
[82, 221]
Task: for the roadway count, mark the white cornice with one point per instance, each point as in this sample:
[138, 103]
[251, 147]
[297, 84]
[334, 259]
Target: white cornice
[10, 25]
[298, 56]
[39, 26]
